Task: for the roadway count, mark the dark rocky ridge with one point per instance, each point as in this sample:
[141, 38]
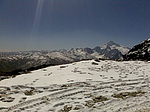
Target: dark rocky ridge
[139, 52]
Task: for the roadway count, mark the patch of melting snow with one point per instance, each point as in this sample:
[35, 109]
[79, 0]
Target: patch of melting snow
[81, 86]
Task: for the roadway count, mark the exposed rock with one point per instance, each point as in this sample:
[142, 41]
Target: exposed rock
[139, 52]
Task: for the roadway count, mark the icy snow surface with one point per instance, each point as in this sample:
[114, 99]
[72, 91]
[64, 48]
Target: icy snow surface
[86, 86]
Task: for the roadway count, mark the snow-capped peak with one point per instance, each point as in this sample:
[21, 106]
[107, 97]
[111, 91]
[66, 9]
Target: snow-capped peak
[112, 45]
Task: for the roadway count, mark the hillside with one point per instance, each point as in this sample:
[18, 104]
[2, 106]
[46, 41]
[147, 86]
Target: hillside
[139, 52]
[85, 86]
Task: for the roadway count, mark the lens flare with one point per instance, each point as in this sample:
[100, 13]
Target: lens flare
[37, 18]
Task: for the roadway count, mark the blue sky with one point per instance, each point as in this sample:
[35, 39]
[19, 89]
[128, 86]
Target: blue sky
[63, 24]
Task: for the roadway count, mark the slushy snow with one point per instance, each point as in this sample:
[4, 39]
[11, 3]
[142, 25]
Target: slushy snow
[85, 86]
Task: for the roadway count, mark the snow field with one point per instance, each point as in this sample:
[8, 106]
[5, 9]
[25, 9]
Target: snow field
[79, 87]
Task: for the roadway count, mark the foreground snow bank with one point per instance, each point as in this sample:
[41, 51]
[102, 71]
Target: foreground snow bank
[82, 86]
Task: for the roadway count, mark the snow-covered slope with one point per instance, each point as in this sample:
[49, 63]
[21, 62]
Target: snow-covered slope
[139, 52]
[86, 86]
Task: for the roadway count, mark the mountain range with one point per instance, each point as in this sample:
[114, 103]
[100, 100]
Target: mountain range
[10, 61]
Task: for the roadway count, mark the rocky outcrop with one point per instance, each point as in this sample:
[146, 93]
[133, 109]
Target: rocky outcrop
[139, 52]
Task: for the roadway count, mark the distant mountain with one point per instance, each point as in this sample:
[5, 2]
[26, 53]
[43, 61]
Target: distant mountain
[111, 50]
[24, 60]
[139, 52]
